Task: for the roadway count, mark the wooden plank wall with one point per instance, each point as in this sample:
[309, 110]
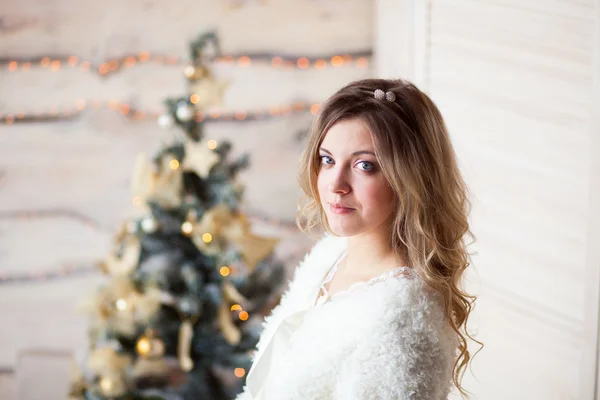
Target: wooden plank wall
[83, 166]
[515, 82]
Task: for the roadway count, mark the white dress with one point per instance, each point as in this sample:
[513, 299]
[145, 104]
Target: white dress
[294, 330]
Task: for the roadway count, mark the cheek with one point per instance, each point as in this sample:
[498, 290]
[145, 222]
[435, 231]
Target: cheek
[377, 198]
[321, 186]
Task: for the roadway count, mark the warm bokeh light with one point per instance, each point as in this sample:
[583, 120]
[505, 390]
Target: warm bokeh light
[143, 346]
[303, 63]
[187, 227]
[121, 304]
[244, 61]
[337, 61]
[239, 372]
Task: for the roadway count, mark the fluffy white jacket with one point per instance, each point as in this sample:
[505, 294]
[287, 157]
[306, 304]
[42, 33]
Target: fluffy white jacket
[384, 340]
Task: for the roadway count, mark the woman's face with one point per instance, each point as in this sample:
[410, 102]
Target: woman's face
[352, 189]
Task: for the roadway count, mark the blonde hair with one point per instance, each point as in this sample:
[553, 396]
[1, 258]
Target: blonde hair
[417, 158]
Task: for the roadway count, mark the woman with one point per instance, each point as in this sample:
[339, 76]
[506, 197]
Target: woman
[374, 311]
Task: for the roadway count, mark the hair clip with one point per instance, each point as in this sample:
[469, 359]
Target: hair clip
[380, 95]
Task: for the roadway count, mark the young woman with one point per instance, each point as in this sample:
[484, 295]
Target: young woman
[375, 310]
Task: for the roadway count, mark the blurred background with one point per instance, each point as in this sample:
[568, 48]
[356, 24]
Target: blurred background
[85, 88]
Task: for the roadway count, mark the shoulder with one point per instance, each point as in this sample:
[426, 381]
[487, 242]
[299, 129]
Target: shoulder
[410, 345]
[408, 306]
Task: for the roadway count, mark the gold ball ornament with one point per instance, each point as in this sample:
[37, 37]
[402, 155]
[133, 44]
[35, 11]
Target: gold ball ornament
[150, 346]
[112, 385]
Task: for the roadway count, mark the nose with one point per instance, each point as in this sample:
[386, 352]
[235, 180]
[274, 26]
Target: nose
[339, 183]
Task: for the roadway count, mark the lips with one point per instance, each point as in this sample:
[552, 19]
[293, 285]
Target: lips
[338, 208]
[341, 206]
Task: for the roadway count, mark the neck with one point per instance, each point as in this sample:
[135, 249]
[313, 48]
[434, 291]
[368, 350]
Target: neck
[370, 252]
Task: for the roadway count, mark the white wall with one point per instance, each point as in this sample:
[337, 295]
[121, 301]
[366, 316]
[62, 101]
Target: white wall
[84, 165]
[515, 82]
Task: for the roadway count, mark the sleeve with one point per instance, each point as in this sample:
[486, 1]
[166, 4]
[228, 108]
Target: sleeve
[278, 313]
[408, 357]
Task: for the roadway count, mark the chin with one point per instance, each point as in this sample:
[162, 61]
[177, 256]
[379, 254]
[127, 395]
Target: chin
[344, 231]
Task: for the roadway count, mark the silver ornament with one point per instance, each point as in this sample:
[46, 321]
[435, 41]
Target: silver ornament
[165, 121]
[149, 224]
[184, 112]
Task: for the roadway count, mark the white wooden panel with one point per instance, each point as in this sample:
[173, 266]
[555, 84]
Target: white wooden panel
[514, 82]
[111, 28]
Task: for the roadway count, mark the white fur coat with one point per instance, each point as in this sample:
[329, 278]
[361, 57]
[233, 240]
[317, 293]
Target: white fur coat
[388, 340]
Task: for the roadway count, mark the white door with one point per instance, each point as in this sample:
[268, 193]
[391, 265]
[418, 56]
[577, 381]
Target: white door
[517, 82]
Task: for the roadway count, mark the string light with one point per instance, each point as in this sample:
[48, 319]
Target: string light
[85, 270]
[174, 164]
[143, 346]
[239, 372]
[187, 228]
[70, 271]
[121, 304]
[65, 272]
[129, 111]
[53, 213]
[111, 66]
[224, 271]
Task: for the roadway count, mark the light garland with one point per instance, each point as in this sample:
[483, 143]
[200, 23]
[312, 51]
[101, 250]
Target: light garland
[53, 213]
[83, 270]
[358, 59]
[66, 272]
[129, 111]
[47, 276]
[90, 222]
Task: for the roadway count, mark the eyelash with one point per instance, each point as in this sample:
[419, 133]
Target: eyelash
[362, 162]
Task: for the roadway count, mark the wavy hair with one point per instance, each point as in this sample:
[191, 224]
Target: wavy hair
[413, 147]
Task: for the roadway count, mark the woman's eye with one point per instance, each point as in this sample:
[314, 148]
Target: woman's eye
[367, 166]
[326, 160]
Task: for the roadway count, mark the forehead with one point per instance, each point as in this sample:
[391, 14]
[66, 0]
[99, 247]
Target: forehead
[348, 136]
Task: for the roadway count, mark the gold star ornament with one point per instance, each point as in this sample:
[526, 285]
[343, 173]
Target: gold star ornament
[220, 227]
[199, 158]
[208, 92]
[163, 184]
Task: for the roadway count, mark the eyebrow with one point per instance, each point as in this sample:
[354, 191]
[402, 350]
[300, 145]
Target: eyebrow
[356, 153]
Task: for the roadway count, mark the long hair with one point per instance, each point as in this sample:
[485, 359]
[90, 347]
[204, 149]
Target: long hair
[414, 150]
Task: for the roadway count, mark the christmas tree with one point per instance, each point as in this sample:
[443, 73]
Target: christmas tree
[187, 277]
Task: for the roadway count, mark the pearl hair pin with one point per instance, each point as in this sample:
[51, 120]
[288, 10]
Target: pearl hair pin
[380, 95]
